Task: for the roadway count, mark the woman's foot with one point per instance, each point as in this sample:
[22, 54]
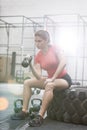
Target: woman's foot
[20, 116]
[37, 121]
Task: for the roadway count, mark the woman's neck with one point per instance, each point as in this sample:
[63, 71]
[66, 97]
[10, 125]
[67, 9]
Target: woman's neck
[45, 50]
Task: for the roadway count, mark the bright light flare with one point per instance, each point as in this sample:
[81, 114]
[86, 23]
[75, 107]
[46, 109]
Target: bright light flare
[3, 103]
[67, 39]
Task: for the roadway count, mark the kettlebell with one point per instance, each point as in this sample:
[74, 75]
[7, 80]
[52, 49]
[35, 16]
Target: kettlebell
[25, 63]
[35, 106]
[18, 105]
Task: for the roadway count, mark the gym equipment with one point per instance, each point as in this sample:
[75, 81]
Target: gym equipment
[6, 123]
[34, 109]
[35, 91]
[26, 61]
[19, 76]
[69, 105]
[13, 64]
[18, 105]
[56, 108]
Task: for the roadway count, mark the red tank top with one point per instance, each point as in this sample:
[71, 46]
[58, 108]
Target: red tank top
[49, 62]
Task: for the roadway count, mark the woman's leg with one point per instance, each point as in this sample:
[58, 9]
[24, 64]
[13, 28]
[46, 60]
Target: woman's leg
[48, 94]
[28, 84]
[47, 97]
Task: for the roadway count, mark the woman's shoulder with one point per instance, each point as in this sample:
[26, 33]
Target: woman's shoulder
[55, 47]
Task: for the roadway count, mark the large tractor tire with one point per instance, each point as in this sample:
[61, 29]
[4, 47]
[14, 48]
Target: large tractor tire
[69, 105]
[55, 110]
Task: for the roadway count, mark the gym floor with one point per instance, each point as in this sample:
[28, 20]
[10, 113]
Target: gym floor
[8, 94]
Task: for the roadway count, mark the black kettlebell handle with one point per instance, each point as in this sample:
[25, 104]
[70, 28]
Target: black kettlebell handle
[18, 100]
[37, 99]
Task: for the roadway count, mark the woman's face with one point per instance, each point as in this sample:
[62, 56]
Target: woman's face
[40, 43]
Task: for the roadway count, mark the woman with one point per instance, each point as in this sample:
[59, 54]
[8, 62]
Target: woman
[50, 59]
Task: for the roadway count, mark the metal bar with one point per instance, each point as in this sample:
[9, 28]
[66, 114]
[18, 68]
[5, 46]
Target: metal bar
[61, 14]
[17, 26]
[12, 16]
[7, 22]
[49, 19]
[31, 20]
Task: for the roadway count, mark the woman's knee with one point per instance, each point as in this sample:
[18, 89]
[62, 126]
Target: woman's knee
[49, 87]
[27, 83]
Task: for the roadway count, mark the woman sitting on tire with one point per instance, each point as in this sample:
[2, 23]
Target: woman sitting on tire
[50, 59]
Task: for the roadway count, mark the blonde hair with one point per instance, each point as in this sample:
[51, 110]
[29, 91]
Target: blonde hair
[43, 34]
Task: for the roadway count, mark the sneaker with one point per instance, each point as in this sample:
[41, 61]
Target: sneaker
[37, 121]
[19, 116]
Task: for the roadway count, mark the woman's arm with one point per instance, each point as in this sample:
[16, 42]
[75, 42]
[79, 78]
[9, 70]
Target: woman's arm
[61, 65]
[36, 70]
